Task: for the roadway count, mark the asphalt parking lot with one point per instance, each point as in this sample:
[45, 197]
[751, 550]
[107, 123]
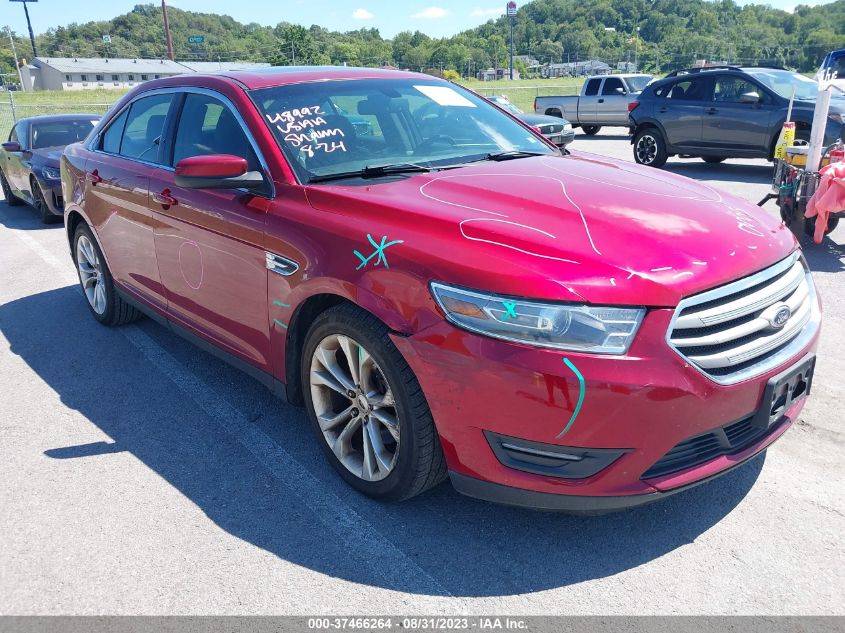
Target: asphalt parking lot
[139, 475]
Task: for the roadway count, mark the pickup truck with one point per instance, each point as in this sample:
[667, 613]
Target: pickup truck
[603, 101]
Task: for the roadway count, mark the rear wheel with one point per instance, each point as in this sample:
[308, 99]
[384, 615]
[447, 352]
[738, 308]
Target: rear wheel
[11, 199]
[367, 409]
[96, 281]
[591, 130]
[649, 148]
[40, 203]
[713, 159]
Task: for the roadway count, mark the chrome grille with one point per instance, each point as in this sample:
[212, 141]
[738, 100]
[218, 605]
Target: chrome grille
[551, 128]
[734, 332]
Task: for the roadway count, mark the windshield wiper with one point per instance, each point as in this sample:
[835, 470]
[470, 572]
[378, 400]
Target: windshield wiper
[512, 154]
[374, 172]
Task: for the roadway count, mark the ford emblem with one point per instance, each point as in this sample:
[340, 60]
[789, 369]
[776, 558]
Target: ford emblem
[781, 317]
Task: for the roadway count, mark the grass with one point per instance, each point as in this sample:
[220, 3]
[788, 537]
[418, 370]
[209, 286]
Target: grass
[521, 92]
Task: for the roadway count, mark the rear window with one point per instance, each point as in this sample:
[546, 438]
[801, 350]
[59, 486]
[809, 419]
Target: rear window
[685, 90]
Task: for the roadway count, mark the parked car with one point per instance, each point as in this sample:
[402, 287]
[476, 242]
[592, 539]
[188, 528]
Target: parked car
[556, 130]
[448, 294]
[29, 160]
[724, 112]
[603, 101]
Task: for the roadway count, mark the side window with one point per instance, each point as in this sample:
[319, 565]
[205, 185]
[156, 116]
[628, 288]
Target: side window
[730, 89]
[592, 87]
[144, 127]
[110, 140]
[686, 90]
[207, 126]
[612, 85]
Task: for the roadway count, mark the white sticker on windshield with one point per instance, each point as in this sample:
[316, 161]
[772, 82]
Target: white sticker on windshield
[445, 96]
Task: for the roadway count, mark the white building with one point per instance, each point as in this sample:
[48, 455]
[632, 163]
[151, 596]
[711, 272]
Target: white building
[82, 73]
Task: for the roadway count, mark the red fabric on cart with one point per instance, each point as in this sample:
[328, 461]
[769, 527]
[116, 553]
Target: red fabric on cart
[828, 198]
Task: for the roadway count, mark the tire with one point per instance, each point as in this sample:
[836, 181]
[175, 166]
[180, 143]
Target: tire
[591, 130]
[11, 199]
[40, 203]
[410, 459]
[96, 281]
[713, 160]
[810, 225]
[650, 148]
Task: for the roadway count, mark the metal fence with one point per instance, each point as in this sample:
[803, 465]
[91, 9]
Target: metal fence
[11, 110]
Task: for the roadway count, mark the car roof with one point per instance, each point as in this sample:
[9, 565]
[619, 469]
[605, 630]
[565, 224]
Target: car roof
[256, 78]
[52, 118]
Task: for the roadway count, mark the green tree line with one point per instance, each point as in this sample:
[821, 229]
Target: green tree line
[660, 34]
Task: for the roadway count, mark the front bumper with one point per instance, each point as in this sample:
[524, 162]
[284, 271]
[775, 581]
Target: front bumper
[642, 404]
[52, 190]
[562, 138]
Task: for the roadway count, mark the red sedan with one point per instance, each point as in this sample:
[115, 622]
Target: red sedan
[446, 293]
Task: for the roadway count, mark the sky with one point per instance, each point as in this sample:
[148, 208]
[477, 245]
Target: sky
[437, 18]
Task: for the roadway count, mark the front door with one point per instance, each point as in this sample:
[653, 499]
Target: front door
[210, 242]
[734, 126]
[13, 166]
[612, 105]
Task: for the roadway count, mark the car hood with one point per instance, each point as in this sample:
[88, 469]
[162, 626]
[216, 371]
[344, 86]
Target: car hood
[542, 119]
[48, 156]
[578, 227]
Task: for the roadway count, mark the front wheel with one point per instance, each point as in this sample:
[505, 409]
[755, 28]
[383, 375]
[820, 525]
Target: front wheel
[369, 414]
[47, 216]
[591, 130]
[650, 148]
[810, 225]
[105, 304]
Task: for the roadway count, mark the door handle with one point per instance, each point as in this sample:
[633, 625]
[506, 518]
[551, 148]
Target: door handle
[663, 109]
[165, 198]
[601, 100]
[95, 177]
[711, 110]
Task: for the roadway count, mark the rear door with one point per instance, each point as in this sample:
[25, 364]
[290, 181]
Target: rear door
[14, 167]
[612, 103]
[210, 242]
[736, 127]
[679, 107]
[116, 194]
[588, 101]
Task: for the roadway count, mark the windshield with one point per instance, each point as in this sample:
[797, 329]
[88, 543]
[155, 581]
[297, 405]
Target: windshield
[333, 127]
[638, 83]
[782, 82]
[56, 133]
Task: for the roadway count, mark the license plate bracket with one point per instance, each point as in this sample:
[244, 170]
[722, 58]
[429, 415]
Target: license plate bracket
[783, 390]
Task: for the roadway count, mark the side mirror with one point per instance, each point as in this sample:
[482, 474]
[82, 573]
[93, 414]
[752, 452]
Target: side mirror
[749, 97]
[216, 171]
[620, 91]
[12, 146]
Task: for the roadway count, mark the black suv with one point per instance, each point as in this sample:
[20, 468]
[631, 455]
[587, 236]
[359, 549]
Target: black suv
[724, 112]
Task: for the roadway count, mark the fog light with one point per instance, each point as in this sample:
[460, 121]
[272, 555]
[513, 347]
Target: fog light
[567, 462]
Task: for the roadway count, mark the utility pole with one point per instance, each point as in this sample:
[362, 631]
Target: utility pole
[292, 54]
[15, 55]
[511, 13]
[29, 24]
[167, 36]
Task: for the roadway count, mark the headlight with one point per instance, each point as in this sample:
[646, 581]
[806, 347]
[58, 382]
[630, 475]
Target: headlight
[51, 173]
[567, 126]
[600, 330]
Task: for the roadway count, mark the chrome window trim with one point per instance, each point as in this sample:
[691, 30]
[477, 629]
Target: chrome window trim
[767, 364]
[265, 169]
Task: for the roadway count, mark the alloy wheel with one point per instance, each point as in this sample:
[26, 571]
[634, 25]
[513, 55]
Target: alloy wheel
[91, 274]
[646, 149]
[355, 407]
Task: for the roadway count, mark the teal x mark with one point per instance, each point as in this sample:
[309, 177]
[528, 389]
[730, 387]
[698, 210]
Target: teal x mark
[511, 310]
[378, 253]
